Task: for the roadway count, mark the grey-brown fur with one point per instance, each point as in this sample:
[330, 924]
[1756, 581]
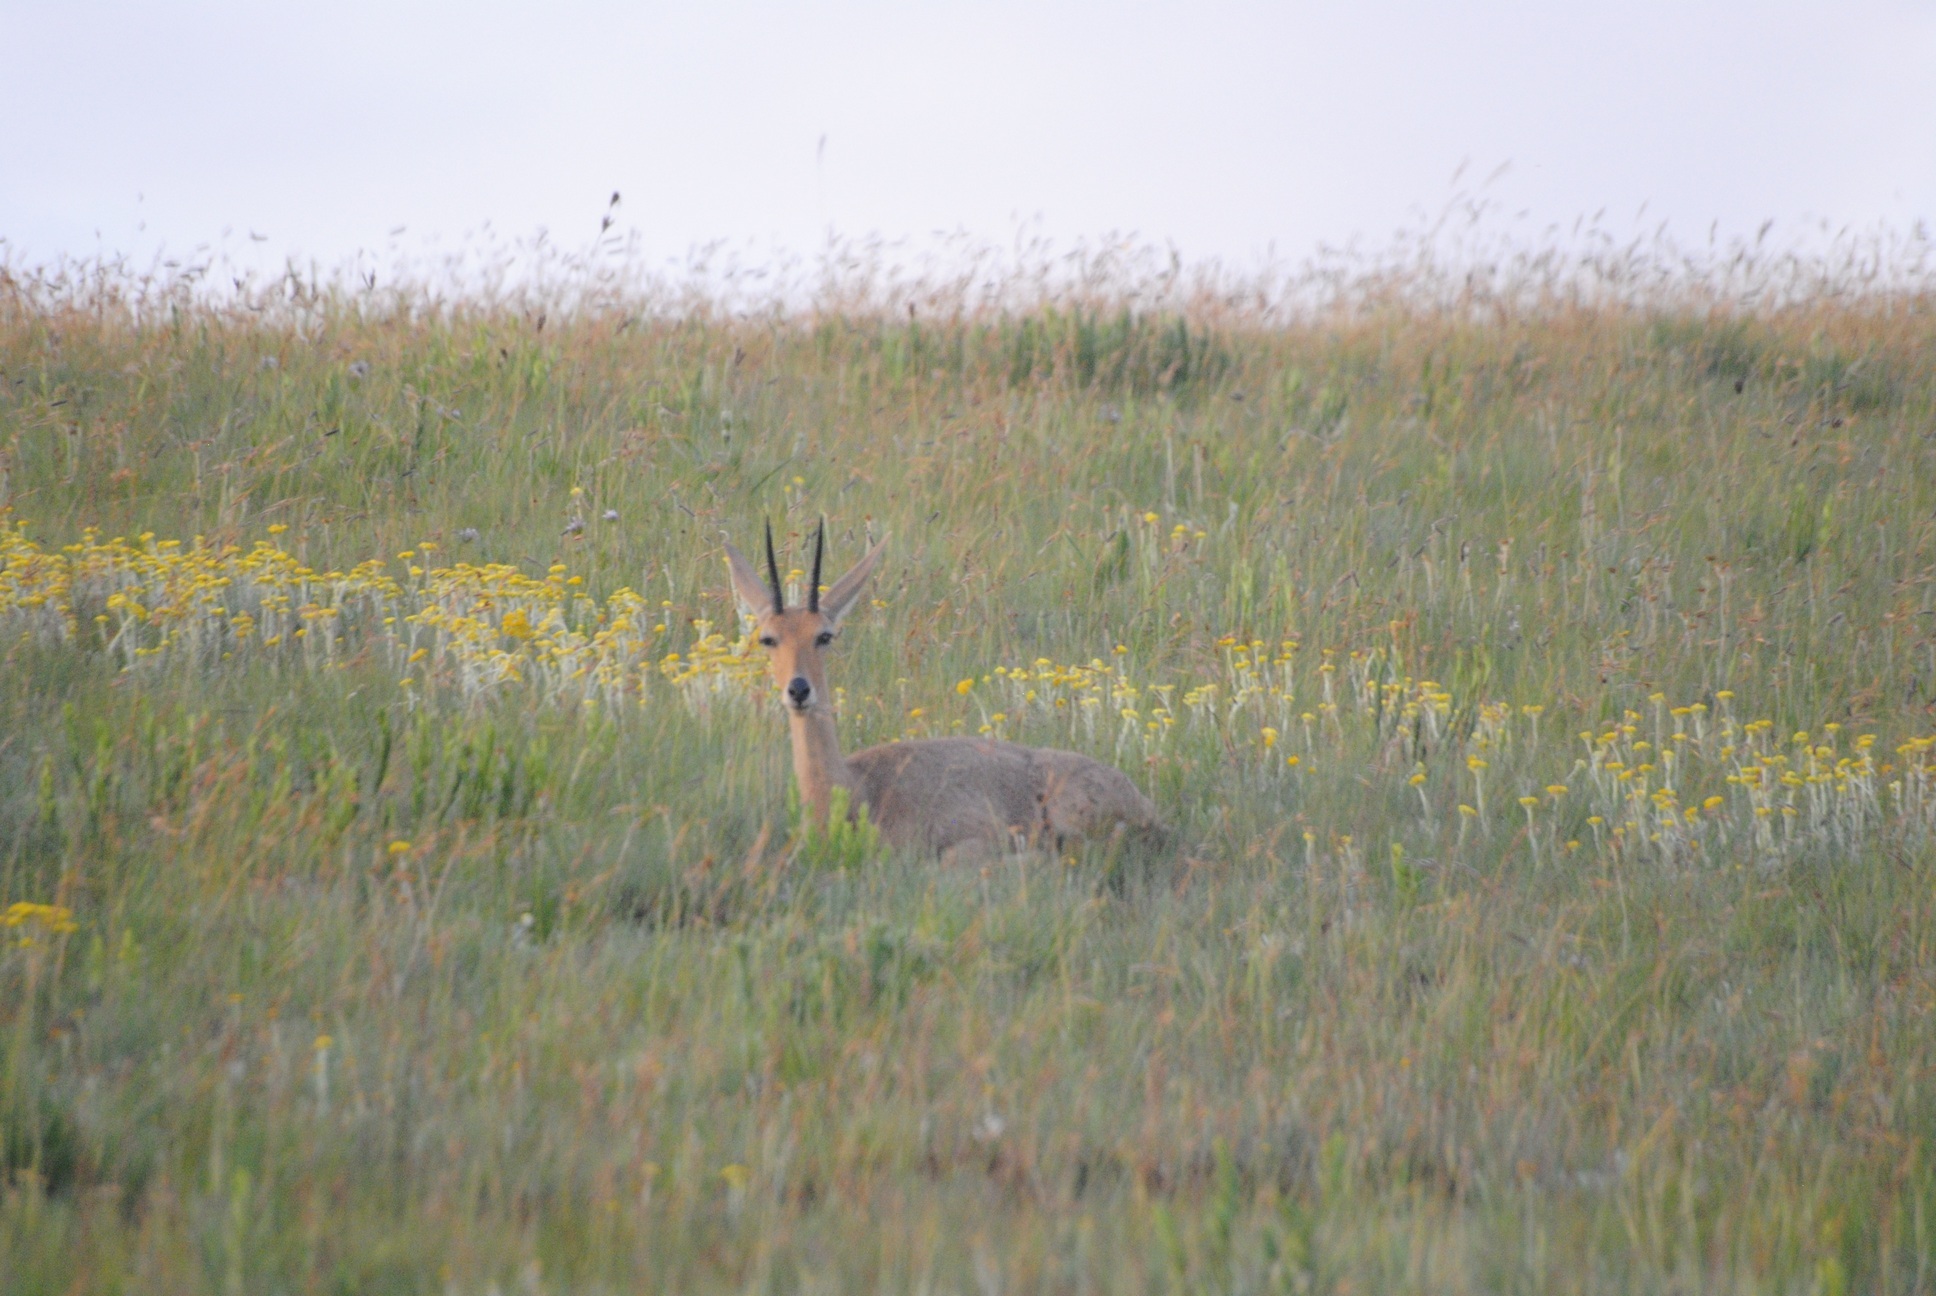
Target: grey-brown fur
[947, 794]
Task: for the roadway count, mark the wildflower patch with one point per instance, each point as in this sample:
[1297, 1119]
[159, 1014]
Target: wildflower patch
[1677, 782]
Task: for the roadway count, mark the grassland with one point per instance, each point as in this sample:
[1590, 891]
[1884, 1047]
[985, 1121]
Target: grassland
[1543, 698]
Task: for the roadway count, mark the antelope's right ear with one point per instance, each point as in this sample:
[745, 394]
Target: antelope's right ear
[749, 590]
[834, 604]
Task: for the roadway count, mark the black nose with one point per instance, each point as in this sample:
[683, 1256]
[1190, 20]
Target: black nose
[799, 690]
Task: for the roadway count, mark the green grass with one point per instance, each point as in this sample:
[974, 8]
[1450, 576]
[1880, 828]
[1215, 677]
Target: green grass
[379, 987]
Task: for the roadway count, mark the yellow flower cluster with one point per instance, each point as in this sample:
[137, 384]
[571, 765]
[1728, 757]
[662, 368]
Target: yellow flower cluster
[1690, 781]
[33, 587]
[153, 599]
[471, 628]
[25, 921]
[1284, 700]
[1689, 777]
[481, 627]
[484, 627]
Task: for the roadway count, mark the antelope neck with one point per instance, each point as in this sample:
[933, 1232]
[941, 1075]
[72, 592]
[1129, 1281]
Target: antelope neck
[818, 766]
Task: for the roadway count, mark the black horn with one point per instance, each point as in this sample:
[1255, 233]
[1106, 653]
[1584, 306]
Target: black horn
[773, 573]
[813, 589]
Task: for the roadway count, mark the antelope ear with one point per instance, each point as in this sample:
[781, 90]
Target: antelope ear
[845, 591]
[749, 587]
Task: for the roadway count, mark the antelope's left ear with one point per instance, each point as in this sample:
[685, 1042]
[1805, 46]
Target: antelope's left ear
[749, 591]
[846, 591]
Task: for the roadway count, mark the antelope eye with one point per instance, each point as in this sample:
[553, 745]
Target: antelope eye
[768, 641]
[824, 638]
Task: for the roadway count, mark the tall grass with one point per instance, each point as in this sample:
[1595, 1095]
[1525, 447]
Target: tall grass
[335, 967]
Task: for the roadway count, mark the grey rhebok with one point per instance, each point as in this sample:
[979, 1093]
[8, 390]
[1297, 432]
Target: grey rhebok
[954, 797]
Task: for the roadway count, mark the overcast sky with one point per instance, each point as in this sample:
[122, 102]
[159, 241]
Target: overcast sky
[1235, 131]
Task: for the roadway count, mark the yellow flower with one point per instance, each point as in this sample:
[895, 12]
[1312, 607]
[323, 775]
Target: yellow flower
[57, 920]
[399, 846]
[964, 687]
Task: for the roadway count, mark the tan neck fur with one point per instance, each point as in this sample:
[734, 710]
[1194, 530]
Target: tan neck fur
[818, 766]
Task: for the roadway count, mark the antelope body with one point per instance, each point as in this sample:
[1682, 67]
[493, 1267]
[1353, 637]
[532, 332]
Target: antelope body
[949, 796]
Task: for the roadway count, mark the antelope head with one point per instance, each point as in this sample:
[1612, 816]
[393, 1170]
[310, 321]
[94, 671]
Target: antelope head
[795, 638]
